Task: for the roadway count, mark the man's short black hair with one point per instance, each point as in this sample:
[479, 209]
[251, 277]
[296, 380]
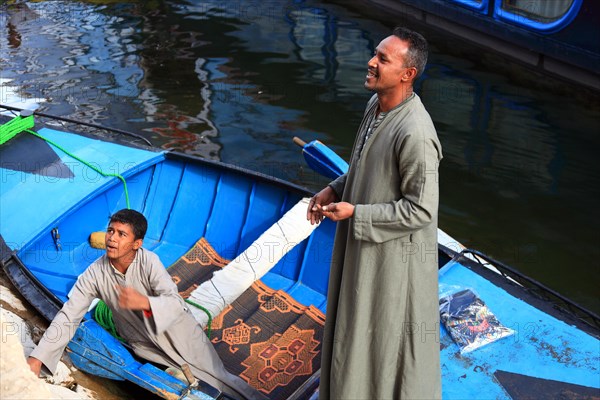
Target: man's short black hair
[135, 219]
[418, 49]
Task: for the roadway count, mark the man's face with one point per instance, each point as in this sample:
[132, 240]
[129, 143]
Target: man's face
[120, 241]
[386, 70]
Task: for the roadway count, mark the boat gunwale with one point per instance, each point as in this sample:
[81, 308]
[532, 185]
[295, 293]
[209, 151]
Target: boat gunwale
[281, 183]
[169, 154]
[147, 146]
[44, 301]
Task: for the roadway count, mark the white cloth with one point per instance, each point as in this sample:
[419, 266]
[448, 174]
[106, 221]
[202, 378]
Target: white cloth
[229, 283]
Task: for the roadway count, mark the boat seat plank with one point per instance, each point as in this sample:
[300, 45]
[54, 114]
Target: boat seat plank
[277, 281]
[307, 296]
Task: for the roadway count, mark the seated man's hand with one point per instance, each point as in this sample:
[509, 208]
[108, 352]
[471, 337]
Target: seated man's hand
[131, 299]
[35, 365]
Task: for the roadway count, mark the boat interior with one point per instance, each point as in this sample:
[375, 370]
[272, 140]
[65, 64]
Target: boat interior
[188, 203]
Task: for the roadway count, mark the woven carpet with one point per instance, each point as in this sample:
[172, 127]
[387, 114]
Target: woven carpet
[265, 336]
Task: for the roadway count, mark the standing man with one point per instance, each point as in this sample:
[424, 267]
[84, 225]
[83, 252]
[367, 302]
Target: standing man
[382, 331]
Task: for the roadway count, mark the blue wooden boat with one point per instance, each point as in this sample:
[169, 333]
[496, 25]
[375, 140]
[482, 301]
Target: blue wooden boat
[50, 203]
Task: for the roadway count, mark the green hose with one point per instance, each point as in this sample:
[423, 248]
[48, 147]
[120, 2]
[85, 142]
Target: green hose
[98, 170]
[209, 323]
[20, 124]
[104, 317]
[14, 126]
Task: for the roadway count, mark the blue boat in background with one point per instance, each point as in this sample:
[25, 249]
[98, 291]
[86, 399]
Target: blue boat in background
[557, 37]
[50, 202]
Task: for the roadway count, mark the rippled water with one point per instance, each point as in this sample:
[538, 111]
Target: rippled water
[236, 81]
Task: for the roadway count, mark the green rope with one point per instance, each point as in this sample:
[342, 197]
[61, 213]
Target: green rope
[98, 170]
[14, 126]
[20, 124]
[104, 317]
[209, 323]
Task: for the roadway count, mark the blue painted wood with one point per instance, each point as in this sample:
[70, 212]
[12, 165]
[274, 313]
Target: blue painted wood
[263, 212]
[543, 346]
[90, 337]
[316, 262]
[193, 205]
[20, 198]
[159, 202]
[228, 214]
[277, 282]
[95, 351]
[323, 160]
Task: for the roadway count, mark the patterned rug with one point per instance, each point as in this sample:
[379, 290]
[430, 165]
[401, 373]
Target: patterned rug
[265, 336]
[195, 267]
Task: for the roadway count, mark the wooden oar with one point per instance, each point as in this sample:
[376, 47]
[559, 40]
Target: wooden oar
[322, 159]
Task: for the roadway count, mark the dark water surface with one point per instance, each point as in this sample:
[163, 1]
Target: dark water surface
[235, 81]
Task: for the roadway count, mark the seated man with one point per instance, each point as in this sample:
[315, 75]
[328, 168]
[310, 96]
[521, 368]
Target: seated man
[147, 310]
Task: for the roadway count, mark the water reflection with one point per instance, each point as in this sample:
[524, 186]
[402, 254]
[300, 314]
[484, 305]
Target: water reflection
[236, 81]
[495, 135]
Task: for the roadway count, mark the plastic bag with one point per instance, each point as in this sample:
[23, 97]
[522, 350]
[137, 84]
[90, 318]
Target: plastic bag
[469, 321]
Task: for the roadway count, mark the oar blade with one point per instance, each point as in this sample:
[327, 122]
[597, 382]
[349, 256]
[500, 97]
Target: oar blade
[323, 160]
